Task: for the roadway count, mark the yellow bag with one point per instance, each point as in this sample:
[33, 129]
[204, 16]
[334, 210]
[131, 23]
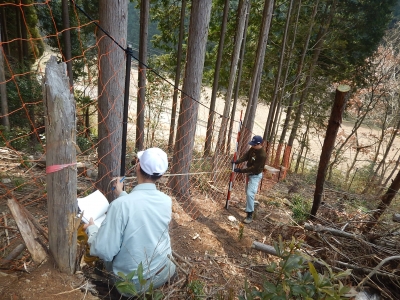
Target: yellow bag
[82, 240]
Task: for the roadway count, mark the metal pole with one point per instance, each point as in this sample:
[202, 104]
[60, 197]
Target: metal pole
[228, 197]
[129, 54]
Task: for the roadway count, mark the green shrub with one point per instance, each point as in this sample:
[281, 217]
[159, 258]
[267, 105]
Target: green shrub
[196, 289]
[127, 287]
[295, 277]
[301, 208]
[85, 143]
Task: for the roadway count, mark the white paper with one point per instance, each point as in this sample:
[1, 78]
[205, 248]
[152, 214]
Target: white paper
[93, 206]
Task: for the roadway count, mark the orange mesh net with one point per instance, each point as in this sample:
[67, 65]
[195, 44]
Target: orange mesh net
[95, 55]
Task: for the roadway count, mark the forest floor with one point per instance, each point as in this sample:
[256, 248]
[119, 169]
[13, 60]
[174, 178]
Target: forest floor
[214, 249]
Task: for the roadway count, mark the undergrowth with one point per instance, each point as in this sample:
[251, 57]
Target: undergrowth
[295, 276]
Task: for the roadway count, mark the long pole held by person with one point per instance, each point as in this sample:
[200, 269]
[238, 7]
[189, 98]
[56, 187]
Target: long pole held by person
[128, 52]
[228, 197]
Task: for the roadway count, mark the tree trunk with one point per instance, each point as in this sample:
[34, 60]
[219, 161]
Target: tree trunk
[303, 144]
[141, 98]
[243, 14]
[361, 116]
[372, 180]
[386, 200]
[18, 34]
[210, 122]
[388, 148]
[318, 48]
[274, 102]
[177, 78]
[329, 143]
[66, 50]
[248, 121]
[61, 179]
[394, 169]
[299, 72]
[5, 121]
[241, 26]
[3, 27]
[353, 163]
[113, 18]
[26, 67]
[191, 91]
[282, 92]
[276, 122]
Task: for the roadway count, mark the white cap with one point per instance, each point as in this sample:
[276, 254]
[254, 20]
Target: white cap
[153, 161]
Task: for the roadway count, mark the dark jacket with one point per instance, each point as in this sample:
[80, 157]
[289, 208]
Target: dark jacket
[255, 161]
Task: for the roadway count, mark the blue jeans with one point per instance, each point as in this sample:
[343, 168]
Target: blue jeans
[251, 190]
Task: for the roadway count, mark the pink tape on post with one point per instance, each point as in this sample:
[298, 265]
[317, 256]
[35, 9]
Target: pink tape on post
[55, 168]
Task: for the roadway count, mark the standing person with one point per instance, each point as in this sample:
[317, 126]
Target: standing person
[135, 229]
[255, 157]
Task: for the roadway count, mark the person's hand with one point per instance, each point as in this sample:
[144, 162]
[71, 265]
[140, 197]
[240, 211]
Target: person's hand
[237, 170]
[118, 185]
[91, 222]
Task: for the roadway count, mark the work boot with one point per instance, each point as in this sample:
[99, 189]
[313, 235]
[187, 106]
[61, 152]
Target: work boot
[249, 218]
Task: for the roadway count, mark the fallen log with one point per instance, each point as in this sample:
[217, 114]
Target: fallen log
[366, 270]
[13, 254]
[375, 270]
[320, 228]
[264, 248]
[35, 222]
[27, 231]
[6, 230]
[396, 218]
[359, 238]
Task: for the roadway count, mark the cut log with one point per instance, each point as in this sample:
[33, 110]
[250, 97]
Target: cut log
[6, 229]
[13, 254]
[396, 218]
[27, 231]
[320, 228]
[264, 248]
[35, 222]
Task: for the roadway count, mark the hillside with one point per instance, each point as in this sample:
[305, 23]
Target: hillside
[214, 251]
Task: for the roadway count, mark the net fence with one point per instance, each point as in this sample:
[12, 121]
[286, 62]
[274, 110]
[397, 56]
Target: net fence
[31, 33]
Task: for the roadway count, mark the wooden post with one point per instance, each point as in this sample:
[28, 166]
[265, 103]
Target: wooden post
[60, 120]
[331, 132]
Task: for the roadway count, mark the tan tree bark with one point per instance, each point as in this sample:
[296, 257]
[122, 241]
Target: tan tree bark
[5, 121]
[318, 48]
[113, 17]
[210, 121]
[274, 102]
[66, 50]
[248, 121]
[384, 203]
[177, 78]
[299, 72]
[191, 89]
[241, 26]
[236, 86]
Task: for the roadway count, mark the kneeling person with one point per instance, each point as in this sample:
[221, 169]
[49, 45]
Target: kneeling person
[135, 229]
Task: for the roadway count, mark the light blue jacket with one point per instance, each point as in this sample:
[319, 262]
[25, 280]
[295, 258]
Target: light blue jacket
[135, 230]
